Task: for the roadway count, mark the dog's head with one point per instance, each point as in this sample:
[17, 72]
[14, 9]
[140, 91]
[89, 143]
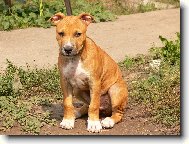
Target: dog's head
[71, 32]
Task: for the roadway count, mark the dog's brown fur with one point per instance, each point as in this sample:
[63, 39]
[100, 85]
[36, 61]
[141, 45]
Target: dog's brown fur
[98, 76]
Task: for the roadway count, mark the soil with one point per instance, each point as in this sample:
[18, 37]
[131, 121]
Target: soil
[136, 121]
[128, 35]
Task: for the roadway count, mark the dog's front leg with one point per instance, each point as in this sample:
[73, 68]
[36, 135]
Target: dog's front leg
[94, 124]
[69, 116]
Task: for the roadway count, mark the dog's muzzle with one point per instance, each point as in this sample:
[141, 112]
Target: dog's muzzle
[69, 50]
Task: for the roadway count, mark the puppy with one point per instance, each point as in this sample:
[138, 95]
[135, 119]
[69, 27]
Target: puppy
[88, 73]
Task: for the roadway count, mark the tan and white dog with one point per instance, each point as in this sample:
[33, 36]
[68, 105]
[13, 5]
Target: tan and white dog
[88, 73]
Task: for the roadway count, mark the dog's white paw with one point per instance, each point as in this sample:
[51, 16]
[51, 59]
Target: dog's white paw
[94, 126]
[67, 124]
[107, 122]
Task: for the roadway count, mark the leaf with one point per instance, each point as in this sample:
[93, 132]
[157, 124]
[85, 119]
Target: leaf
[162, 39]
[33, 15]
[16, 83]
[6, 25]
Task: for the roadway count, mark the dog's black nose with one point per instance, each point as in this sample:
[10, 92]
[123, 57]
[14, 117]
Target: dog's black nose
[68, 49]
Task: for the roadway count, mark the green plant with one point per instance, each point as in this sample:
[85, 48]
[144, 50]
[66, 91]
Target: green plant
[157, 89]
[146, 7]
[33, 13]
[160, 93]
[95, 8]
[36, 13]
[121, 7]
[131, 62]
[128, 62]
[173, 2]
[39, 88]
[160, 90]
[6, 87]
[41, 8]
[170, 52]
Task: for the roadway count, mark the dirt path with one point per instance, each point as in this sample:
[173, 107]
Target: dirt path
[134, 122]
[129, 35]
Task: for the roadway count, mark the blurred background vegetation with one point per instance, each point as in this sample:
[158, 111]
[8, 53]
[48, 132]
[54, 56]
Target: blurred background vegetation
[35, 13]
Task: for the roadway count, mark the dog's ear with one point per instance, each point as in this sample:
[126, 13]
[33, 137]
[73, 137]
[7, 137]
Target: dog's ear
[87, 18]
[56, 18]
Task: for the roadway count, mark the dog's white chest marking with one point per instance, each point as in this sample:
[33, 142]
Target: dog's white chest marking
[76, 75]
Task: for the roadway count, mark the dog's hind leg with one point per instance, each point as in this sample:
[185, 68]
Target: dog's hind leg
[82, 111]
[118, 95]
[84, 96]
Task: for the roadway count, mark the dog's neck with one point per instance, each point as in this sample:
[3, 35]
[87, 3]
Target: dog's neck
[71, 59]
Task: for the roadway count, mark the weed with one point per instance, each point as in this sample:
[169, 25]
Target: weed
[173, 2]
[160, 90]
[146, 7]
[128, 62]
[39, 88]
[170, 52]
[121, 7]
[132, 62]
[100, 13]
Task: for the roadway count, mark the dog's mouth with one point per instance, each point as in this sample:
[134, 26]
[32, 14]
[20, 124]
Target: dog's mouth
[73, 53]
[68, 55]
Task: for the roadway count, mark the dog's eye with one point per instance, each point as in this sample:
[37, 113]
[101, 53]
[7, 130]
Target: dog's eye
[77, 34]
[61, 34]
